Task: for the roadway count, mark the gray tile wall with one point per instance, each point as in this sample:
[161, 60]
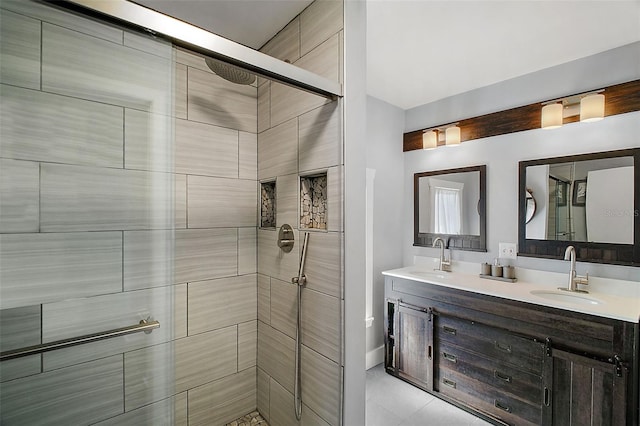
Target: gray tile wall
[301, 134]
[106, 218]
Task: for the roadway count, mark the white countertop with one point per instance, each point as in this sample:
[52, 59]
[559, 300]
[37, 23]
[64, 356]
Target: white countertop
[619, 306]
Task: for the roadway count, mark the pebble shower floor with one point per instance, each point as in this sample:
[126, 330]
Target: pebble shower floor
[251, 419]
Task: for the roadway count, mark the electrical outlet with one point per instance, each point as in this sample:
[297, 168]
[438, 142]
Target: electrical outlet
[507, 251]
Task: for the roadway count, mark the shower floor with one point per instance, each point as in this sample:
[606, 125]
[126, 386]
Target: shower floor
[251, 419]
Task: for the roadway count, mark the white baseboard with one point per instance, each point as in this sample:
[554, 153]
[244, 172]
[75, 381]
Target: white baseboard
[375, 357]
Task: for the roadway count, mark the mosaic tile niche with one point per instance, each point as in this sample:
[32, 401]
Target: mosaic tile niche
[313, 202]
[268, 205]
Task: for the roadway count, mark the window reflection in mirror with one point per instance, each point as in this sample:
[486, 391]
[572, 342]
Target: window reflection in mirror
[450, 204]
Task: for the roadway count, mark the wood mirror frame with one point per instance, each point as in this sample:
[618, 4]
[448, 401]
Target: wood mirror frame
[596, 252]
[455, 242]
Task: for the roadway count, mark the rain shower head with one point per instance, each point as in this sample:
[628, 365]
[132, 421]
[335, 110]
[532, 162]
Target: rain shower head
[229, 72]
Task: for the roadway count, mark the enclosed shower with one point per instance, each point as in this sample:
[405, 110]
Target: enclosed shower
[139, 283]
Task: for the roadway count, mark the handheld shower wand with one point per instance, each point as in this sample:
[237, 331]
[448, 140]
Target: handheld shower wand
[300, 280]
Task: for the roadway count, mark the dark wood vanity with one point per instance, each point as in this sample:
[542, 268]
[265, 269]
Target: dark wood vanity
[511, 362]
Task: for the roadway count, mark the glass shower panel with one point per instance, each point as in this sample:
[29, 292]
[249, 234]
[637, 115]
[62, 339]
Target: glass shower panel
[90, 205]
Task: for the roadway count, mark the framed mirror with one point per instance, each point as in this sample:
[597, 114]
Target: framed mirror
[451, 204]
[589, 201]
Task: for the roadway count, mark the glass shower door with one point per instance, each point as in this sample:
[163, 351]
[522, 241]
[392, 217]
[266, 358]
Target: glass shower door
[88, 202]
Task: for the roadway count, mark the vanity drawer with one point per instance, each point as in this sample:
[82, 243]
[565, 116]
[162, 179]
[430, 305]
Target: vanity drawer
[488, 399]
[490, 342]
[506, 378]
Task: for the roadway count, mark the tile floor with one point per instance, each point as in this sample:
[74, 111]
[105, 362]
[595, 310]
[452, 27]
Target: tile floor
[393, 402]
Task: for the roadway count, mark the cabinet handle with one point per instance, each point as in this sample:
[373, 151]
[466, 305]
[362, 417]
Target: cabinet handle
[547, 397]
[501, 376]
[449, 383]
[449, 357]
[449, 330]
[504, 348]
[501, 406]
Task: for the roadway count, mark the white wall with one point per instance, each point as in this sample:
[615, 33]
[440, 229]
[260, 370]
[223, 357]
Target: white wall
[384, 154]
[502, 153]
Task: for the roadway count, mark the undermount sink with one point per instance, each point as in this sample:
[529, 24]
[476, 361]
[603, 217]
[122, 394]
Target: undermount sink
[430, 274]
[566, 296]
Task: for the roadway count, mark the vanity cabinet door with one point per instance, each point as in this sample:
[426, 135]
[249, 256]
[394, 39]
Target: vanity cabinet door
[413, 350]
[587, 391]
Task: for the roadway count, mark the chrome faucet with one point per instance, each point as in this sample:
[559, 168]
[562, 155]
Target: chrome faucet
[445, 264]
[574, 279]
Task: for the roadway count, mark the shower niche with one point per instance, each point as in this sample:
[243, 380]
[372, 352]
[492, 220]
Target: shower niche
[268, 204]
[313, 201]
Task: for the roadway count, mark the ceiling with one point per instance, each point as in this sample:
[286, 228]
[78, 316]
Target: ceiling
[420, 51]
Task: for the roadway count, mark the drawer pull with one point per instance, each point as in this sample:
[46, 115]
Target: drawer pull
[501, 406]
[501, 376]
[504, 348]
[449, 383]
[449, 330]
[449, 357]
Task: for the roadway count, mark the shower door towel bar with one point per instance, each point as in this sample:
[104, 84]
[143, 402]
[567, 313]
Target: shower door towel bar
[144, 325]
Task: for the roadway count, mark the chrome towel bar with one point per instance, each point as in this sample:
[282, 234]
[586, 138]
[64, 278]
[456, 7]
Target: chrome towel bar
[144, 325]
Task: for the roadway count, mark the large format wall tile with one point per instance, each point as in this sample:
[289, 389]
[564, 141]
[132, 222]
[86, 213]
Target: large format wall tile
[148, 43]
[287, 200]
[263, 391]
[160, 258]
[276, 355]
[155, 373]
[286, 44]
[168, 412]
[78, 198]
[320, 138]
[19, 50]
[19, 196]
[221, 303]
[321, 325]
[19, 328]
[222, 401]
[39, 268]
[248, 152]
[264, 298]
[203, 149]
[46, 127]
[321, 385]
[57, 16]
[81, 394]
[278, 150]
[219, 202]
[148, 141]
[264, 106]
[321, 20]
[272, 260]
[77, 317]
[281, 411]
[247, 251]
[213, 100]
[180, 215]
[284, 307]
[180, 94]
[288, 102]
[323, 267]
[247, 344]
[335, 198]
[90, 68]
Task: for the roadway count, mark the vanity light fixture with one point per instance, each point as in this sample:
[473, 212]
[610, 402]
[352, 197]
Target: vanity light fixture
[590, 107]
[430, 139]
[552, 116]
[452, 135]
